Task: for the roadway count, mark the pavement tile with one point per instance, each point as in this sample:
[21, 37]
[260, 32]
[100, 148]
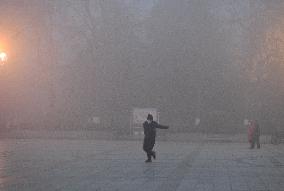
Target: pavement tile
[67, 165]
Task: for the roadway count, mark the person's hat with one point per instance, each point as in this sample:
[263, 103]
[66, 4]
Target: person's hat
[150, 117]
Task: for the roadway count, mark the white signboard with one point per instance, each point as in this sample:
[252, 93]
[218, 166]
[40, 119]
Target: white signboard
[246, 122]
[96, 120]
[140, 114]
[197, 121]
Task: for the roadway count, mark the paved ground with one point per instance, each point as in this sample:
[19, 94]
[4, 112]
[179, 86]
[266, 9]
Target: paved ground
[88, 165]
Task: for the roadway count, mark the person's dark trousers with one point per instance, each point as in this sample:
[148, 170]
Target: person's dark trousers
[149, 153]
[255, 141]
[148, 146]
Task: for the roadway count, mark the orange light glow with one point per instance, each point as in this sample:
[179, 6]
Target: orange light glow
[3, 58]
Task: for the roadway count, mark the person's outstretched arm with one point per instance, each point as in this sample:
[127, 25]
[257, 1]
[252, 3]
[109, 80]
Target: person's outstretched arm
[162, 126]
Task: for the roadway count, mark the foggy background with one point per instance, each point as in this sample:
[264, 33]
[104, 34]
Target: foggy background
[72, 60]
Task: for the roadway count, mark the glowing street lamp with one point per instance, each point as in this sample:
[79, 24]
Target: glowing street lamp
[3, 58]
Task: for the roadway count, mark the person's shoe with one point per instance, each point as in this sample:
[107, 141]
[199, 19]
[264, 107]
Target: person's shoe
[154, 155]
[148, 160]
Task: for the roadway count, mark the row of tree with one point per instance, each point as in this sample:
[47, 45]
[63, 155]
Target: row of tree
[218, 61]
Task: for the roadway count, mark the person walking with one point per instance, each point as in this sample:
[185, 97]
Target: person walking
[250, 132]
[255, 135]
[150, 127]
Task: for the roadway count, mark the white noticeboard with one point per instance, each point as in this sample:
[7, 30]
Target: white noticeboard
[96, 120]
[140, 115]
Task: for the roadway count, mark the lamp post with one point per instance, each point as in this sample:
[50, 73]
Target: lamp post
[3, 60]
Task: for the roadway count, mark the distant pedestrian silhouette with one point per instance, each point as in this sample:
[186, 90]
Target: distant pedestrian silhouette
[254, 134]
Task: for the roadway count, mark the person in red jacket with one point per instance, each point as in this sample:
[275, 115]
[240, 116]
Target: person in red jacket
[150, 127]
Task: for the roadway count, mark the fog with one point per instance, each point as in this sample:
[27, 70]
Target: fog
[70, 60]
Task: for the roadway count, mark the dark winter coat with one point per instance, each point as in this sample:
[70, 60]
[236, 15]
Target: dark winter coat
[256, 132]
[150, 134]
